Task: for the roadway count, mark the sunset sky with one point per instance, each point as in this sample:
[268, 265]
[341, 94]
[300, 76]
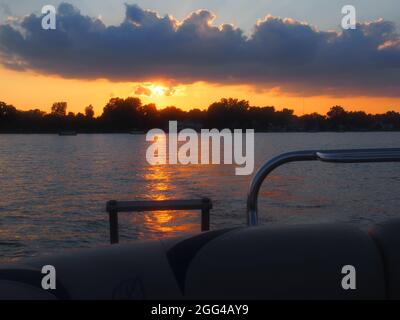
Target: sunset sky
[285, 53]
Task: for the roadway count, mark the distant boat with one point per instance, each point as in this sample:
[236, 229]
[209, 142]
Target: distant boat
[136, 132]
[67, 133]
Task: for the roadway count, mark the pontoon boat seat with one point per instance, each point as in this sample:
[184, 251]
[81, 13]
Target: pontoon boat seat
[287, 262]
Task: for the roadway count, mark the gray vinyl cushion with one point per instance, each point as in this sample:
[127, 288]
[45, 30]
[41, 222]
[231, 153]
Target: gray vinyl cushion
[387, 237]
[298, 262]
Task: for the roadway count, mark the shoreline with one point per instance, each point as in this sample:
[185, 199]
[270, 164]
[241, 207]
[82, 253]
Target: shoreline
[256, 131]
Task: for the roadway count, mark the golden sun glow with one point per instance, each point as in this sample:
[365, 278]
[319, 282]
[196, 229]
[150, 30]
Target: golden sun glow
[158, 90]
[155, 90]
[41, 91]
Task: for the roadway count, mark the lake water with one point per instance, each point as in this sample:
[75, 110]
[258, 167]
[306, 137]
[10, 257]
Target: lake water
[54, 189]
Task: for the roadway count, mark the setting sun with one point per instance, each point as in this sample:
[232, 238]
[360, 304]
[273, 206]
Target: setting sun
[158, 90]
[162, 91]
[153, 90]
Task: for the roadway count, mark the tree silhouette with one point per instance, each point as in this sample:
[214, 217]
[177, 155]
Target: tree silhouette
[337, 116]
[124, 112]
[7, 111]
[124, 115]
[89, 111]
[59, 109]
[228, 113]
[313, 122]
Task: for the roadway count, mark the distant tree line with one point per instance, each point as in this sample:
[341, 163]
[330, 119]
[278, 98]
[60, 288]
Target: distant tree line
[124, 115]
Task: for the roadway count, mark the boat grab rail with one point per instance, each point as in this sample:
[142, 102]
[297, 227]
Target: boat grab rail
[334, 156]
[113, 207]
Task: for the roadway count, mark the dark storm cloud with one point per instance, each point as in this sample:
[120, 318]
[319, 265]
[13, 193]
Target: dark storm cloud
[280, 53]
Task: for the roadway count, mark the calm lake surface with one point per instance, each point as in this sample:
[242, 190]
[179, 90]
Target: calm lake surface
[54, 189]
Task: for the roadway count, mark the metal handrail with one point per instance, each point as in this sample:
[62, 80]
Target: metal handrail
[335, 156]
[113, 207]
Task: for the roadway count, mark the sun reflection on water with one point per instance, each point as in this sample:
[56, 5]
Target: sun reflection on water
[160, 185]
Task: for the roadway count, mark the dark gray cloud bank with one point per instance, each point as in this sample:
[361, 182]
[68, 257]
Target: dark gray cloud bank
[283, 53]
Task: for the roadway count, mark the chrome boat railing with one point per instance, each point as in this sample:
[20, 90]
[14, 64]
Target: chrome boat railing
[336, 156]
